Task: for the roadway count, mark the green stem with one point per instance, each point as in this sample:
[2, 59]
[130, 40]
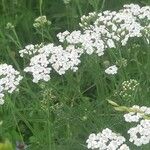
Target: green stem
[41, 3]
[79, 8]
[103, 4]
[17, 39]
[49, 126]
[12, 107]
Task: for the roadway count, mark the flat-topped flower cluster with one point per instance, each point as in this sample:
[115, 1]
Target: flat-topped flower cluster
[9, 80]
[109, 29]
[99, 32]
[106, 140]
[50, 56]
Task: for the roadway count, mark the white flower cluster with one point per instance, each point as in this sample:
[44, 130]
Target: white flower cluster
[128, 89]
[109, 29]
[132, 117]
[10, 26]
[131, 84]
[100, 31]
[41, 21]
[86, 21]
[140, 134]
[50, 56]
[30, 50]
[138, 114]
[111, 70]
[106, 140]
[39, 68]
[66, 1]
[9, 80]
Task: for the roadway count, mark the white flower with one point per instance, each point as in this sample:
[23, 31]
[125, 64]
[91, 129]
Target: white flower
[106, 140]
[110, 43]
[138, 114]
[140, 134]
[41, 21]
[132, 117]
[30, 50]
[111, 70]
[50, 57]
[9, 80]
[66, 1]
[1, 99]
[39, 68]
[107, 29]
[124, 147]
[62, 36]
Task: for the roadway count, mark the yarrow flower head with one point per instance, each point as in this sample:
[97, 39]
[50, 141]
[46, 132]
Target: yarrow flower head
[101, 31]
[137, 114]
[132, 117]
[10, 26]
[41, 21]
[131, 84]
[30, 50]
[49, 57]
[86, 21]
[128, 89]
[66, 1]
[106, 140]
[140, 134]
[111, 70]
[9, 80]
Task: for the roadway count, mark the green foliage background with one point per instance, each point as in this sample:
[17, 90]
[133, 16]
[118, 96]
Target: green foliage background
[60, 114]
